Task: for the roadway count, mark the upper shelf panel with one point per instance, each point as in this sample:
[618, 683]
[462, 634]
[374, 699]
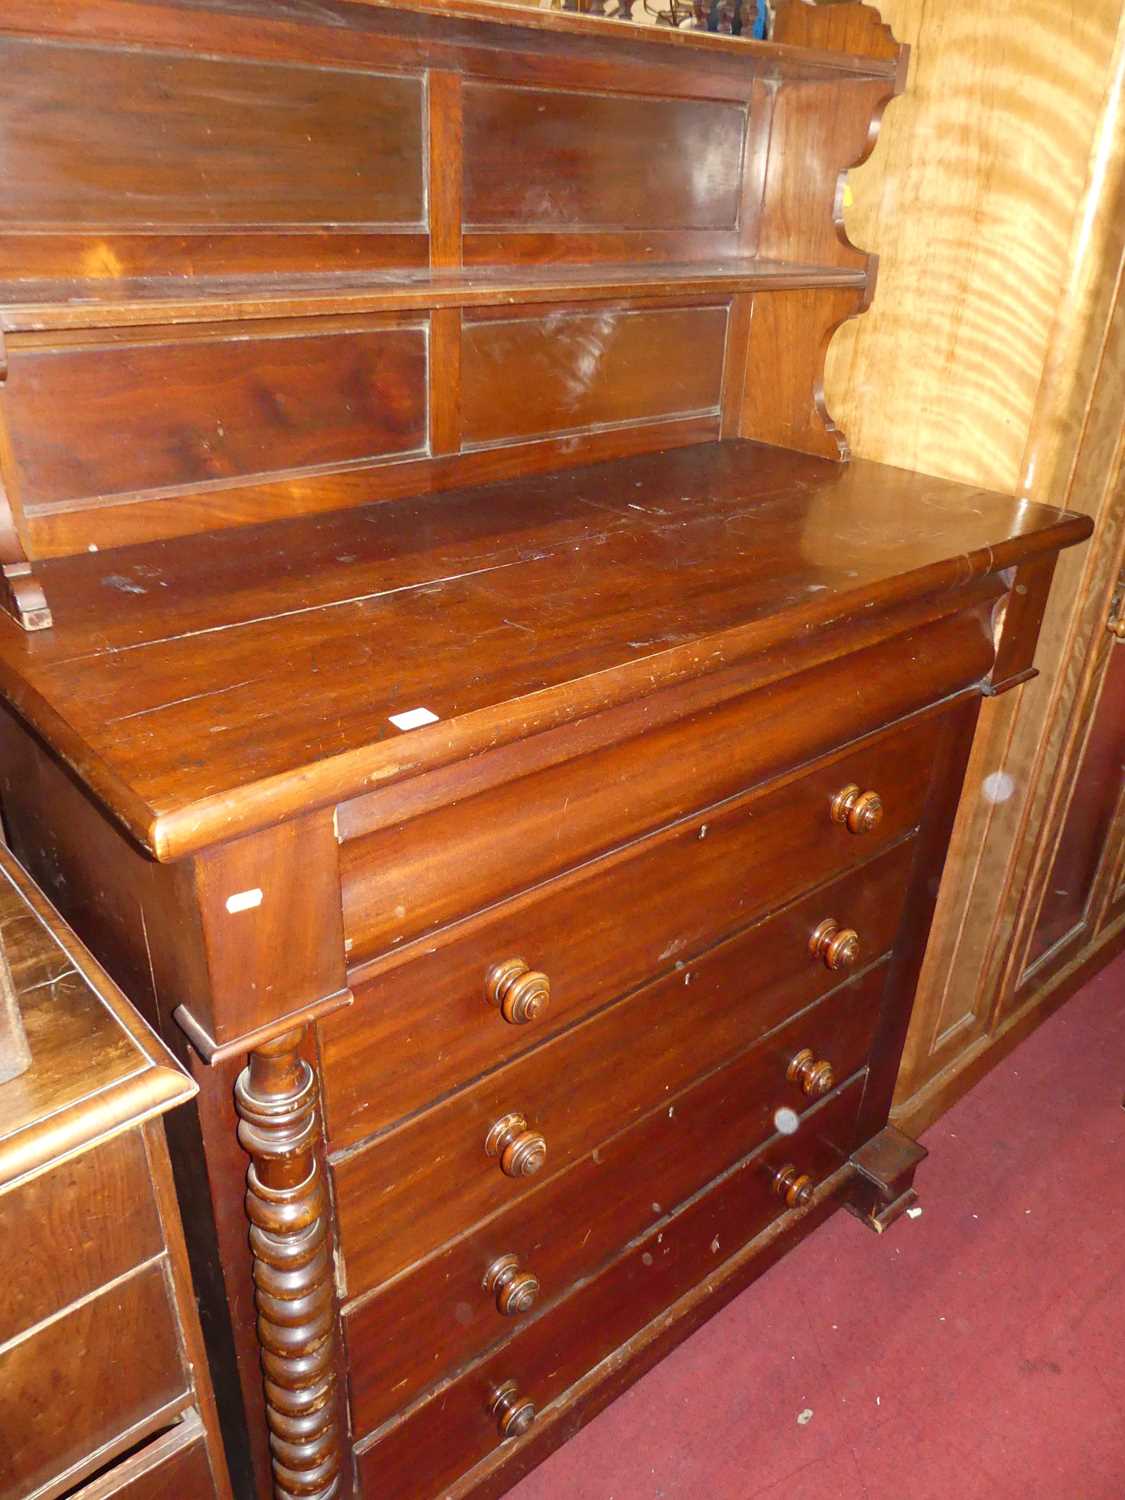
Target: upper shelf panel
[261, 260]
[352, 137]
[103, 303]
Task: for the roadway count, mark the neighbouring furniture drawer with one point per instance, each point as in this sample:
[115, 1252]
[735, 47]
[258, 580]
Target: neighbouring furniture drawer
[611, 925]
[127, 1334]
[430, 1178]
[69, 1231]
[173, 1466]
[442, 1312]
[415, 872]
[448, 1431]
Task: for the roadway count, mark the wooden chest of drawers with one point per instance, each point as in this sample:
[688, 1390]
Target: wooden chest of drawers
[533, 867]
[104, 1388]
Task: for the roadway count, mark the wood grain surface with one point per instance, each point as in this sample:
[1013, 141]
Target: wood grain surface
[969, 202]
[606, 597]
[1061, 437]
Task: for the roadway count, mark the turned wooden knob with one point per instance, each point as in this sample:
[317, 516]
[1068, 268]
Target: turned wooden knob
[515, 1291]
[521, 994]
[1116, 626]
[814, 1076]
[858, 811]
[795, 1187]
[514, 1413]
[837, 946]
[521, 1151]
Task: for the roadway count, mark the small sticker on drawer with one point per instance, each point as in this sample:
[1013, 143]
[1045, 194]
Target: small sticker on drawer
[244, 900]
[414, 718]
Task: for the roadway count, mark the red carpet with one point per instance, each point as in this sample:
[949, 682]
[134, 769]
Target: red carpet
[976, 1351]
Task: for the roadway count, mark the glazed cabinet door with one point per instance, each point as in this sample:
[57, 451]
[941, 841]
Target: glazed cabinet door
[1084, 889]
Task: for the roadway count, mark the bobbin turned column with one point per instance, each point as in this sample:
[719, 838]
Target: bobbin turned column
[276, 1095]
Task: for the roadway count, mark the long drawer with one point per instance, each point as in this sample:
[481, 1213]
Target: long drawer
[448, 1431]
[407, 1192]
[442, 1312]
[418, 872]
[605, 928]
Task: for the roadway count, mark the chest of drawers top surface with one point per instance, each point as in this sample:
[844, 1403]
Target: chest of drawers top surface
[207, 686]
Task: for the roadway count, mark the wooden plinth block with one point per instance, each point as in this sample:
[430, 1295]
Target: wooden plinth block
[884, 1178]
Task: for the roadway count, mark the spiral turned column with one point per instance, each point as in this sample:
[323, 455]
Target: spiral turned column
[276, 1096]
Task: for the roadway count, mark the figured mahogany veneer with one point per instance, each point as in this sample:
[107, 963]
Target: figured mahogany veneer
[455, 683]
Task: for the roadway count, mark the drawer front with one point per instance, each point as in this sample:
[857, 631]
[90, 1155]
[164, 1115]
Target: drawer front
[174, 1466]
[72, 1229]
[409, 1191]
[606, 928]
[417, 872]
[72, 1374]
[453, 1429]
[441, 1311]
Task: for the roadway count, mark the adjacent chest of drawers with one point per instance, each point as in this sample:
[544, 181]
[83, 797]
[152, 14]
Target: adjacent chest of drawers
[457, 685]
[104, 1388]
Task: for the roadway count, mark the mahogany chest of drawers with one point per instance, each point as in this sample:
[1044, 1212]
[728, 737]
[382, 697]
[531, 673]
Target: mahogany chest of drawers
[104, 1389]
[464, 692]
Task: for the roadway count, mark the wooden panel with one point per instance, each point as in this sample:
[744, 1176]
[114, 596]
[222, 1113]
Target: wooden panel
[545, 158]
[440, 1311]
[61, 533]
[49, 1373]
[70, 1230]
[205, 143]
[671, 895]
[124, 416]
[271, 937]
[429, 1179]
[454, 1429]
[396, 887]
[565, 371]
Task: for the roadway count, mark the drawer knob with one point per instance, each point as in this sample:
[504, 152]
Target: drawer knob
[514, 1413]
[814, 1076]
[858, 811]
[837, 946]
[1116, 625]
[795, 1187]
[515, 1291]
[521, 1151]
[521, 994]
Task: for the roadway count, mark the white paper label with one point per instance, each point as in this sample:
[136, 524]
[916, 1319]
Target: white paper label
[244, 900]
[414, 718]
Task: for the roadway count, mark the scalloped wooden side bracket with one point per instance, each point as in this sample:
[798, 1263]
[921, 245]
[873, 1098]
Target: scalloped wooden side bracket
[783, 398]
